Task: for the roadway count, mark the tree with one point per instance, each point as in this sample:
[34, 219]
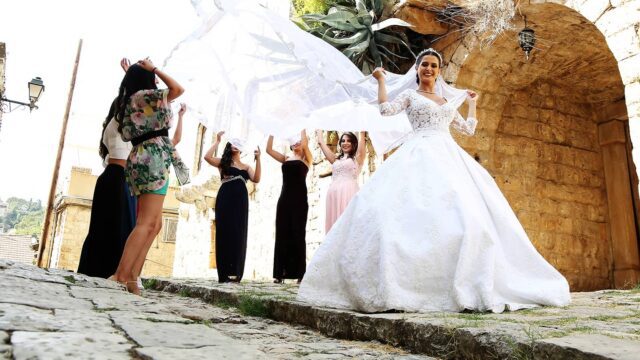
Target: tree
[17, 208]
[303, 7]
[30, 224]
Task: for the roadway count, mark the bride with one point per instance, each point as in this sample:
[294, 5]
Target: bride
[431, 230]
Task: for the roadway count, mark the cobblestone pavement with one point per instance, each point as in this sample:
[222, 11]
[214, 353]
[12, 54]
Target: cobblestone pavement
[597, 325]
[54, 314]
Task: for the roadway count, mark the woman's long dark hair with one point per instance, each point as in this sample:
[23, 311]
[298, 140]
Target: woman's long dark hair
[225, 160]
[354, 145]
[136, 79]
[104, 151]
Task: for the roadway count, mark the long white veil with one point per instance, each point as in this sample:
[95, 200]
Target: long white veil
[247, 67]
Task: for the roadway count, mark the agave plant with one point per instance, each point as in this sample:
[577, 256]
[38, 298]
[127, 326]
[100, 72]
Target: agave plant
[352, 26]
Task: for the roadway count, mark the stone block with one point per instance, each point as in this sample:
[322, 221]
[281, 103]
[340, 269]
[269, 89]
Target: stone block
[39, 294]
[582, 140]
[173, 335]
[513, 145]
[423, 21]
[225, 352]
[450, 73]
[624, 43]
[587, 196]
[517, 110]
[630, 69]
[619, 17]
[69, 345]
[593, 9]
[632, 96]
[600, 346]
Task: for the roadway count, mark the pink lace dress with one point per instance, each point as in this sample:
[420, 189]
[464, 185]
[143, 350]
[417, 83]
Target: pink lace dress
[343, 187]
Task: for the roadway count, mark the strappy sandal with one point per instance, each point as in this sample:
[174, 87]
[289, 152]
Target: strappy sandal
[135, 290]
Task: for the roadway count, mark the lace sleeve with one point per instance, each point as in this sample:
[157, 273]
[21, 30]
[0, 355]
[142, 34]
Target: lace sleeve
[398, 104]
[467, 127]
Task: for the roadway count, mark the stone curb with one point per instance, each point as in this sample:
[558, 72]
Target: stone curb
[417, 337]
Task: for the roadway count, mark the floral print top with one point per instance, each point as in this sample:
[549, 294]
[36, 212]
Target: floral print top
[148, 163]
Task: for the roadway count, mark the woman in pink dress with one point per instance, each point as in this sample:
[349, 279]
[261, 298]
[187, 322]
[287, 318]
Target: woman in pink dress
[345, 170]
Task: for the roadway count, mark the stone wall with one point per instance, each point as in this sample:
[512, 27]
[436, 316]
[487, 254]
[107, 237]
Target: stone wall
[539, 131]
[545, 156]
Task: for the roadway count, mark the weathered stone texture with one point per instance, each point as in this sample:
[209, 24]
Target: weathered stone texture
[539, 126]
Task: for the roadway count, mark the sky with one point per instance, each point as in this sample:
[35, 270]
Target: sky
[41, 38]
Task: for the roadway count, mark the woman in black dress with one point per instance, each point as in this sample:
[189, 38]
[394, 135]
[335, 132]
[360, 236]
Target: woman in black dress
[232, 207]
[113, 207]
[290, 257]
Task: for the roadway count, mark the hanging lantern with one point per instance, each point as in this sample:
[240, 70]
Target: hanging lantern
[527, 39]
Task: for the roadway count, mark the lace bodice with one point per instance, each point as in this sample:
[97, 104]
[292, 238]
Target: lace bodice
[425, 114]
[345, 169]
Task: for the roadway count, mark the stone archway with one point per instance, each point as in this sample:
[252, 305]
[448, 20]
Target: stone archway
[554, 132]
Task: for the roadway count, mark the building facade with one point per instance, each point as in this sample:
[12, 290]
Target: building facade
[70, 224]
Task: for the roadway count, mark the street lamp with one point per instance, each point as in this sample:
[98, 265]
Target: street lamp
[36, 87]
[527, 39]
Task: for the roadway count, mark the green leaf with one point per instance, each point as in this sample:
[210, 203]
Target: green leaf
[361, 5]
[359, 47]
[386, 49]
[338, 16]
[377, 6]
[382, 37]
[359, 36]
[373, 50]
[365, 19]
[389, 22]
[389, 62]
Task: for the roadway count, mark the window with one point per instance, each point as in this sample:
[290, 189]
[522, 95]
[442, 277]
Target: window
[170, 228]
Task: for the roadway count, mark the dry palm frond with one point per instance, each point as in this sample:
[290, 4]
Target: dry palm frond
[485, 19]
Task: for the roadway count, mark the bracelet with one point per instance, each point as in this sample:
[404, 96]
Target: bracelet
[154, 69]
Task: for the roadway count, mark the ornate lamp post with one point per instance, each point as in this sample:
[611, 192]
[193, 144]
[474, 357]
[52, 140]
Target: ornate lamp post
[36, 87]
[527, 39]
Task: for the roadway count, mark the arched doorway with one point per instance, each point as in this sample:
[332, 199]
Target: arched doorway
[554, 133]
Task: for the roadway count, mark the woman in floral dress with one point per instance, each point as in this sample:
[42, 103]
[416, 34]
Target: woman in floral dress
[144, 117]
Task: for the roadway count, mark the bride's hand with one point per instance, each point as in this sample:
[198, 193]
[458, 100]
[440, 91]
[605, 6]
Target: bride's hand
[472, 96]
[379, 73]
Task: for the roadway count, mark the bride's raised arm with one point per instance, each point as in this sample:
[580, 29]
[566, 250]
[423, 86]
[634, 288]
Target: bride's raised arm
[467, 126]
[389, 108]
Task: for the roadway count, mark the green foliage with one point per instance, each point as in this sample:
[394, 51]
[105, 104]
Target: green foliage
[23, 215]
[30, 224]
[150, 284]
[250, 305]
[70, 279]
[354, 27]
[303, 7]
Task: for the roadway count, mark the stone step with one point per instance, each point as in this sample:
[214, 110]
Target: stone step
[545, 333]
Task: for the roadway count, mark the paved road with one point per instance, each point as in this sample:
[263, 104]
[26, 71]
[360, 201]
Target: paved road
[61, 315]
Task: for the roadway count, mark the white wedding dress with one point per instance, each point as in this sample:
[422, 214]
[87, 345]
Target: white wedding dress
[430, 231]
